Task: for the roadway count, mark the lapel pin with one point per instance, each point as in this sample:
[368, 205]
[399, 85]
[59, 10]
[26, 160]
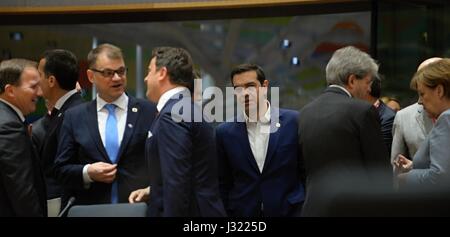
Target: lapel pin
[130, 125]
[59, 115]
[278, 125]
[134, 109]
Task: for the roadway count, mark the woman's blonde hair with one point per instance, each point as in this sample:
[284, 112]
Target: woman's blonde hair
[434, 74]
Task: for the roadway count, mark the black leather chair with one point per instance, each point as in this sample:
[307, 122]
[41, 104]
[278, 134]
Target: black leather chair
[109, 210]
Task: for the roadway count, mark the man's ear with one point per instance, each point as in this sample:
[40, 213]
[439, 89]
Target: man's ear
[440, 91]
[265, 83]
[9, 91]
[351, 81]
[162, 73]
[90, 75]
[52, 81]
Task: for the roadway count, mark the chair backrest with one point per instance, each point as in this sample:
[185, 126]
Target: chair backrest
[109, 210]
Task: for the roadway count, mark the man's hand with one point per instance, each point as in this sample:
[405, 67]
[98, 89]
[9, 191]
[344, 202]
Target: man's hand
[140, 195]
[102, 172]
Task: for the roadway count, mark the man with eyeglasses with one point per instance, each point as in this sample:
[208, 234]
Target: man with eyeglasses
[101, 146]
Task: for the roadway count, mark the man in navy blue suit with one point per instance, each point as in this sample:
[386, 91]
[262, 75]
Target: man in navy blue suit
[180, 147]
[385, 113]
[100, 157]
[260, 171]
[59, 74]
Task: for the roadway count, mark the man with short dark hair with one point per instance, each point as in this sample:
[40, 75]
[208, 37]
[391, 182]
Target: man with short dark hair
[100, 156]
[260, 169]
[385, 113]
[58, 69]
[180, 148]
[22, 186]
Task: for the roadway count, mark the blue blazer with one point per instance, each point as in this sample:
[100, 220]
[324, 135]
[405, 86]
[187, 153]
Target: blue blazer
[387, 116]
[278, 190]
[183, 164]
[80, 144]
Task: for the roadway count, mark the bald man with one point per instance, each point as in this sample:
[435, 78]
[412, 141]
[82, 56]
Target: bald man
[411, 126]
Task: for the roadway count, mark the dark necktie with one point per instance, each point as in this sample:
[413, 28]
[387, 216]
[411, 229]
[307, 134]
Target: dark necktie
[54, 112]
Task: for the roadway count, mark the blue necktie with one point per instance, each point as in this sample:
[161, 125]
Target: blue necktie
[112, 144]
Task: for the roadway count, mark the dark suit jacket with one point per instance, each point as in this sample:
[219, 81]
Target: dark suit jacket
[278, 190]
[22, 186]
[387, 116]
[39, 130]
[48, 145]
[339, 138]
[183, 164]
[80, 143]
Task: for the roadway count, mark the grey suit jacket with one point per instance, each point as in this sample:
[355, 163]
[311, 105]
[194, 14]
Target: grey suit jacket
[431, 164]
[411, 126]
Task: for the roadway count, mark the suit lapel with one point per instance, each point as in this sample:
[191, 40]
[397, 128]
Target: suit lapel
[420, 120]
[92, 123]
[275, 126]
[241, 131]
[132, 115]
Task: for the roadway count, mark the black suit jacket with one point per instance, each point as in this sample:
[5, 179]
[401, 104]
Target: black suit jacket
[340, 137]
[22, 186]
[80, 143]
[183, 164]
[49, 127]
[387, 116]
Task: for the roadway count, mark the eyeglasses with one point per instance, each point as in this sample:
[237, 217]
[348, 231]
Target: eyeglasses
[109, 73]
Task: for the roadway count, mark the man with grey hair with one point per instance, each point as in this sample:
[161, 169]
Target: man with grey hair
[22, 185]
[340, 137]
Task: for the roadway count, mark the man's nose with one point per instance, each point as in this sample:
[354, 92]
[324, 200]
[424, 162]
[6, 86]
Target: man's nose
[39, 91]
[116, 76]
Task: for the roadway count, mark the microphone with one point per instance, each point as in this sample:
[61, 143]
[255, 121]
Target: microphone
[69, 203]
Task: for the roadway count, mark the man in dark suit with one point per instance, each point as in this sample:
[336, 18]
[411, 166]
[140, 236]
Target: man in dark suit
[259, 164]
[385, 113]
[180, 147]
[58, 69]
[22, 186]
[340, 137]
[100, 156]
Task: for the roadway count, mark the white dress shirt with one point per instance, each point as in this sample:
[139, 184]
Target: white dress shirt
[167, 95]
[64, 98]
[258, 137]
[121, 116]
[102, 116]
[15, 109]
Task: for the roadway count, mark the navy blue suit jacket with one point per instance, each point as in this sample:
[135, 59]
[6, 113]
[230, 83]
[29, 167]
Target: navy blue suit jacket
[387, 116]
[183, 164]
[48, 130]
[278, 189]
[80, 144]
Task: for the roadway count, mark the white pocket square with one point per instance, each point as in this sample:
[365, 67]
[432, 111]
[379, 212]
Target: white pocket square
[150, 134]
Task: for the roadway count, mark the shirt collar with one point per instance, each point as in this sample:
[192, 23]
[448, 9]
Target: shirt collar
[121, 102]
[15, 109]
[342, 88]
[64, 98]
[264, 119]
[377, 103]
[167, 95]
